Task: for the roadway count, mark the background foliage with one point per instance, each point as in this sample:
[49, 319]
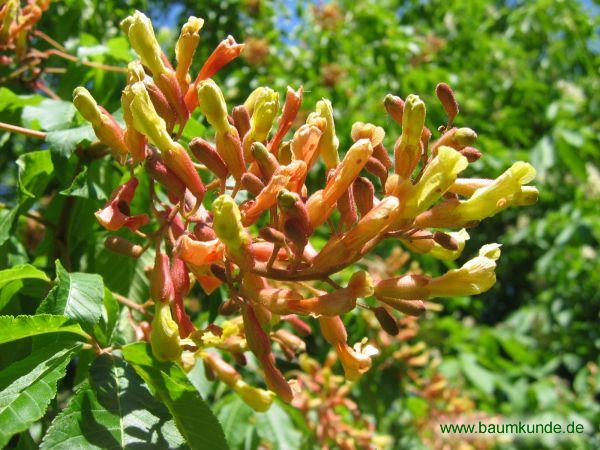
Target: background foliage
[526, 77]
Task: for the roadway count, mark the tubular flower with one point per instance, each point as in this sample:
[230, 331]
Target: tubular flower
[264, 110]
[140, 33]
[115, 213]
[148, 122]
[407, 150]
[185, 48]
[293, 100]
[226, 51]
[229, 147]
[329, 143]
[266, 252]
[105, 126]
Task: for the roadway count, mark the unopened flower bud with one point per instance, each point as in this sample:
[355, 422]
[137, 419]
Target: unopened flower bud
[333, 329]
[465, 137]
[471, 153]
[207, 154]
[406, 287]
[212, 104]
[364, 193]
[161, 105]
[229, 147]
[375, 167]
[273, 235]
[122, 246]
[224, 371]
[386, 320]
[409, 307]
[448, 100]
[394, 106]
[241, 120]
[445, 240]
[165, 176]
[252, 183]
[161, 284]
[329, 143]
[106, 128]
[266, 161]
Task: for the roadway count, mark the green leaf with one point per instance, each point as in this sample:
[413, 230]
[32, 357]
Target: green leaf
[273, 426]
[76, 295]
[480, 377]
[28, 386]
[49, 115]
[13, 328]
[170, 385]
[65, 142]
[104, 330]
[83, 186]
[114, 410]
[6, 223]
[35, 172]
[21, 272]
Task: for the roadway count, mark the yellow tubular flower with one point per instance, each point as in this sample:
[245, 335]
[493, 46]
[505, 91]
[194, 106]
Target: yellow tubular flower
[138, 29]
[185, 48]
[264, 111]
[228, 222]
[329, 143]
[145, 118]
[407, 150]
[346, 171]
[474, 277]
[437, 178]
[164, 337]
[489, 200]
[213, 106]
[259, 400]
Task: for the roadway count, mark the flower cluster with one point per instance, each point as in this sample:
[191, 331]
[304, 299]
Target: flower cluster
[16, 23]
[255, 238]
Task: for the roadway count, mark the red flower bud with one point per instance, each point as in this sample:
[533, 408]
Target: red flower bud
[207, 154]
[161, 284]
[161, 173]
[241, 120]
[122, 246]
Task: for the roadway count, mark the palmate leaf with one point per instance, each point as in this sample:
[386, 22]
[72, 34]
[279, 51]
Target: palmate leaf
[28, 386]
[76, 295]
[114, 410]
[170, 385]
[13, 328]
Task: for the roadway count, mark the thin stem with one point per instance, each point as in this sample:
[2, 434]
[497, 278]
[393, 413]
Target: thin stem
[24, 131]
[131, 304]
[49, 40]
